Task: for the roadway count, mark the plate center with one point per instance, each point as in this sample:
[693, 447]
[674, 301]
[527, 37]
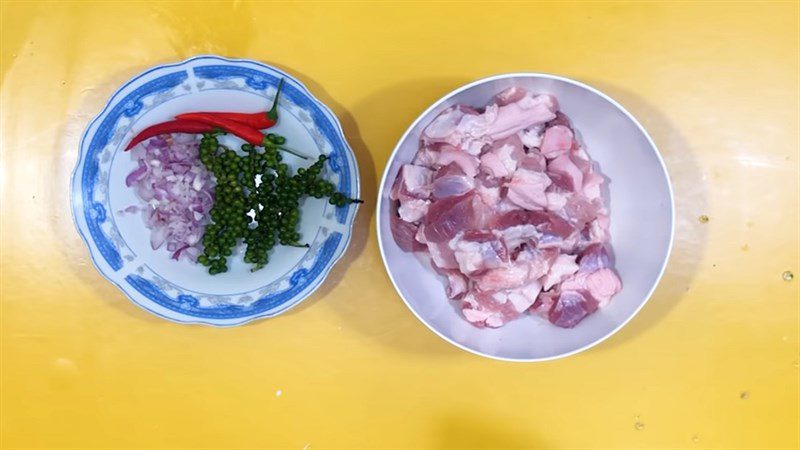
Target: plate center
[185, 274]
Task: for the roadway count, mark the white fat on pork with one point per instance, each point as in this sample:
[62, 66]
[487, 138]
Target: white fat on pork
[601, 284]
[527, 189]
[557, 141]
[457, 283]
[466, 162]
[503, 157]
[478, 254]
[462, 129]
[443, 127]
[518, 235]
[591, 185]
[508, 276]
[510, 95]
[523, 298]
[532, 137]
[563, 267]
[476, 313]
[489, 195]
[442, 255]
[538, 262]
[498, 122]
[598, 229]
[412, 182]
[566, 245]
[491, 309]
[413, 210]
[556, 200]
[419, 236]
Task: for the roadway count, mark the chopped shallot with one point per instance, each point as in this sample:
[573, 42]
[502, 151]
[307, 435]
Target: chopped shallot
[177, 190]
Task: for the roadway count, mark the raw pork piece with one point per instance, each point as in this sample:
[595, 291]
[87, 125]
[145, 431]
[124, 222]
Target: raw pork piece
[412, 182]
[557, 141]
[526, 189]
[503, 157]
[448, 216]
[571, 307]
[451, 181]
[478, 251]
[509, 207]
[404, 234]
[470, 131]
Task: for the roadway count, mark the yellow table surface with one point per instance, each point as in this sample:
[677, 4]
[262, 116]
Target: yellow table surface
[710, 362]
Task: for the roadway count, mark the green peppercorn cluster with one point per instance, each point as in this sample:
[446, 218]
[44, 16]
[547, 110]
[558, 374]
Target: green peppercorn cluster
[259, 214]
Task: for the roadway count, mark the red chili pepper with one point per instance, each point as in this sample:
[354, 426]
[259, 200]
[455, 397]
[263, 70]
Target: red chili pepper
[248, 133]
[251, 135]
[173, 126]
[257, 121]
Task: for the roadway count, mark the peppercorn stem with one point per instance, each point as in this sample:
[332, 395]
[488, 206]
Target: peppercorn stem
[293, 152]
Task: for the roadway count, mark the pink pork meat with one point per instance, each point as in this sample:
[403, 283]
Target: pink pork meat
[508, 206]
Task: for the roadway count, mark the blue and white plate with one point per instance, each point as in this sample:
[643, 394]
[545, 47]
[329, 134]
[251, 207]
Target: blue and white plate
[181, 290]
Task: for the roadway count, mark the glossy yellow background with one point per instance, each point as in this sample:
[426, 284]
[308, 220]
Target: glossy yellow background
[711, 361]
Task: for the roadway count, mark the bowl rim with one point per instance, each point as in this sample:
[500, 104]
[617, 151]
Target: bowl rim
[185, 319]
[547, 76]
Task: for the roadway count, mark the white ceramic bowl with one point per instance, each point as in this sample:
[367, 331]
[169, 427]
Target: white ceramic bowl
[182, 291]
[641, 206]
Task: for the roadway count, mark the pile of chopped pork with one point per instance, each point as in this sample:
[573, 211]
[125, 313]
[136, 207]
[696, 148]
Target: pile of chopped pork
[509, 208]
